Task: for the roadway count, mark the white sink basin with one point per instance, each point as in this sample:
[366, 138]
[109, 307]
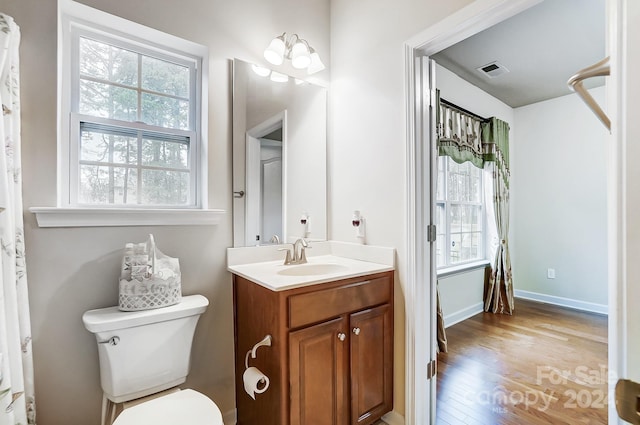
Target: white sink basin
[274, 275]
[312, 269]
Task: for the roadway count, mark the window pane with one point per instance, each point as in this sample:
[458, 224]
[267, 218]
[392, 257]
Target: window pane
[452, 181]
[476, 182]
[106, 62]
[463, 206]
[440, 218]
[98, 146]
[165, 111]
[455, 219]
[476, 218]
[441, 176]
[107, 185]
[454, 249]
[164, 153]
[440, 252]
[466, 240]
[476, 246]
[441, 228]
[464, 182]
[108, 101]
[165, 77]
[160, 187]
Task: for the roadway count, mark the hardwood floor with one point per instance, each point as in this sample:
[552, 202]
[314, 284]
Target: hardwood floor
[543, 365]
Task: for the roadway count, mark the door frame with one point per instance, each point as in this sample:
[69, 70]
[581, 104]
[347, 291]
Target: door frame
[420, 330]
[252, 174]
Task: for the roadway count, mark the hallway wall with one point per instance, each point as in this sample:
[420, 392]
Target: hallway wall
[559, 214]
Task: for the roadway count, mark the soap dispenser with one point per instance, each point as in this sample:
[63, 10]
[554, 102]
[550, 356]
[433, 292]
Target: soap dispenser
[357, 221]
[305, 220]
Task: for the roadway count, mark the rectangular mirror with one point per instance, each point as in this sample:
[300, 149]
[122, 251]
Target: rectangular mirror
[279, 157]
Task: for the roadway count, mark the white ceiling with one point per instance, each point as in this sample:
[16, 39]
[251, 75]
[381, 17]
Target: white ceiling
[542, 48]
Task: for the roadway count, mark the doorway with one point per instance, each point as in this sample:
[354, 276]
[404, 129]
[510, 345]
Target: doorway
[476, 17]
[265, 144]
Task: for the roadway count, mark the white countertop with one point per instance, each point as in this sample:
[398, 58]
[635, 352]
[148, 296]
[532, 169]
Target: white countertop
[353, 261]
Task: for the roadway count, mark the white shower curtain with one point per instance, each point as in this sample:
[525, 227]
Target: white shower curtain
[17, 403]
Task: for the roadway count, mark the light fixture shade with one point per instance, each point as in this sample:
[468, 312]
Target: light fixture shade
[316, 64]
[261, 70]
[278, 77]
[275, 52]
[300, 57]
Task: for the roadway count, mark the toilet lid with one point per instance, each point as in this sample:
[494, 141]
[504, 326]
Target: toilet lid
[187, 407]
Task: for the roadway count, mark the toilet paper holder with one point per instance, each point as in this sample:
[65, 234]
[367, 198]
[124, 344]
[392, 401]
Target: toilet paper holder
[266, 342]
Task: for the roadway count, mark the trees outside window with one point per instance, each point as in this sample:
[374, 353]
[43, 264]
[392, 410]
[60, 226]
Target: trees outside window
[459, 213]
[134, 130]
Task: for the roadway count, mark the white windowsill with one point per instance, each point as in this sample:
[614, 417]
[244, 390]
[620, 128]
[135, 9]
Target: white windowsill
[104, 217]
[463, 268]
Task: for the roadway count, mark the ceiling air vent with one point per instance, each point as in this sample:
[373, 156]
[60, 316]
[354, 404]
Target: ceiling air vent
[493, 69]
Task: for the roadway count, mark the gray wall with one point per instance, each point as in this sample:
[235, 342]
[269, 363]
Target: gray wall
[559, 214]
[73, 270]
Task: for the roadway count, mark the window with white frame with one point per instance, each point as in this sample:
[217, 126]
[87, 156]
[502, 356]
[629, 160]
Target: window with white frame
[132, 128]
[460, 213]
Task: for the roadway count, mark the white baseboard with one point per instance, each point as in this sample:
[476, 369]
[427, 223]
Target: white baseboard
[465, 313]
[563, 302]
[393, 418]
[230, 417]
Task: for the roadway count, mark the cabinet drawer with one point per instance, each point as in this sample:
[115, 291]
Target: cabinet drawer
[316, 306]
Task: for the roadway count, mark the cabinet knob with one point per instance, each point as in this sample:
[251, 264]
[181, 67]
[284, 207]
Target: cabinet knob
[356, 331]
[341, 336]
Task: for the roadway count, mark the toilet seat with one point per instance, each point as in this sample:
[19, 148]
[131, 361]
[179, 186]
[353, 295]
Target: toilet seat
[182, 407]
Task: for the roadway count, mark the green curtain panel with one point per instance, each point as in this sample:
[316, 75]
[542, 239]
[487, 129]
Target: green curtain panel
[495, 145]
[499, 294]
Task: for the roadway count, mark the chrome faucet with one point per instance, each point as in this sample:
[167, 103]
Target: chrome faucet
[297, 254]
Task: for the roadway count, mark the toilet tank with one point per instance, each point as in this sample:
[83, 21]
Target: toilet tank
[149, 351]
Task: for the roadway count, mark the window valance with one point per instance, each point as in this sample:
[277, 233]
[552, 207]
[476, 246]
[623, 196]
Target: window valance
[464, 137]
[459, 135]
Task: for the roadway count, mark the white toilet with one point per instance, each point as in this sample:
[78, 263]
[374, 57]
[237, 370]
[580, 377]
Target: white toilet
[146, 352]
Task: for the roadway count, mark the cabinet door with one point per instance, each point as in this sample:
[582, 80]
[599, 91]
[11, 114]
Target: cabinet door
[318, 362]
[371, 364]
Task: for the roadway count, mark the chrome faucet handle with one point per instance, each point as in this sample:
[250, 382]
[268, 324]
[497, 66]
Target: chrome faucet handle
[302, 259]
[299, 257]
[303, 252]
[287, 258]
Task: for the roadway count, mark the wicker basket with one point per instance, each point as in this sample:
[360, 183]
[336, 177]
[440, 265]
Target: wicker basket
[148, 294]
[149, 278]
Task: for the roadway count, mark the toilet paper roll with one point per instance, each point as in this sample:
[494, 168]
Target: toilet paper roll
[255, 382]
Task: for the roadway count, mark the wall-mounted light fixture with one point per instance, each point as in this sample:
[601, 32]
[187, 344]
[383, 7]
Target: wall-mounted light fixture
[295, 49]
[274, 76]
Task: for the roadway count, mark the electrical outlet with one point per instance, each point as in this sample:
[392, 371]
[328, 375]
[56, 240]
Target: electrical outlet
[551, 273]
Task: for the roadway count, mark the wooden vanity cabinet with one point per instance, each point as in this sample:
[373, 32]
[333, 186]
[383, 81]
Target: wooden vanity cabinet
[331, 361]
